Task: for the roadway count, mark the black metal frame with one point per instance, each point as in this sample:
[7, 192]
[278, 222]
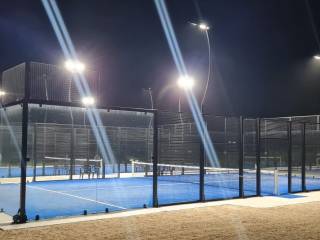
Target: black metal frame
[155, 161]
[303, 164]
[289, 156]
[241, 190]
[258, 159]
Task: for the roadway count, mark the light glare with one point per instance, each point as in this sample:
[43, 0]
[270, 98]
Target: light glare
[185, 82]
[88, 101]
[74, 66]
[2, 93]
[317, 57]
[203, 26]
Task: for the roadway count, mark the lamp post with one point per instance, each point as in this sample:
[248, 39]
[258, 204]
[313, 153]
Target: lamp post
[203, 27]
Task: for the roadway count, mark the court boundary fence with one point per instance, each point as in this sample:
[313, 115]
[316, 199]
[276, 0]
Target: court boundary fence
[265, 133]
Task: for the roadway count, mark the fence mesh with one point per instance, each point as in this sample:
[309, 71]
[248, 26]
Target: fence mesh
[115, 171]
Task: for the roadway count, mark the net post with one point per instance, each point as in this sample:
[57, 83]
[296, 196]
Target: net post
[155, 160]
[290, 156]
[258, 157]
[119, 169]
[303, 164]
[132, 167]
[276, 182]
[34, 152]
[241, 192]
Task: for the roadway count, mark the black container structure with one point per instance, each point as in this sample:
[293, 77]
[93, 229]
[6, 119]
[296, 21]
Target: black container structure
[60, 158]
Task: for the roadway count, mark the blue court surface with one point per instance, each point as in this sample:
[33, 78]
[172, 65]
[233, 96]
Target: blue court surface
[50, 199]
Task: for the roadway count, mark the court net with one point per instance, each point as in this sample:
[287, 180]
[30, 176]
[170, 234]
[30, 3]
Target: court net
[65, 165]
[213, 176]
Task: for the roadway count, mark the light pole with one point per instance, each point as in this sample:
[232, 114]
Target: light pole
[205, 28]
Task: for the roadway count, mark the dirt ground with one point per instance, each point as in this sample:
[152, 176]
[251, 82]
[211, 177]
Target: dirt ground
[222, 222]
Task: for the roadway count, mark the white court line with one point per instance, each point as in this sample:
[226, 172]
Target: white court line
[74, 196]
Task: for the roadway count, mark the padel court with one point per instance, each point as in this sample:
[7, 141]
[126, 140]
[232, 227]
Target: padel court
[49, 199]
[60, 157]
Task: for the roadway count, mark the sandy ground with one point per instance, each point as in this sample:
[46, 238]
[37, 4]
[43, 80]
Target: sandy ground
[300, 221]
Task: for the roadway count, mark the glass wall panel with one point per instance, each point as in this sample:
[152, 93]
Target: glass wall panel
[297, 141]
[249, 157]
[82, 160]
[312, 141]
[274, 156]
[178, 167]
[222, 171]
[10, 156]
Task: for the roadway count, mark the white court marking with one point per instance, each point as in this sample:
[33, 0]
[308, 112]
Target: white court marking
[78, 197]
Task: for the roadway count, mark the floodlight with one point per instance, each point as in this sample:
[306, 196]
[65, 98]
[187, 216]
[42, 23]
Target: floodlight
[185, 82]
[74, 66]
[88, 101]
[317, 57]
[2, 93]
[203, 26]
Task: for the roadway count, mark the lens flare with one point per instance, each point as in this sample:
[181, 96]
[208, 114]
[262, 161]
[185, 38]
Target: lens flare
[185, 82]
[74, 66]
[88, 101]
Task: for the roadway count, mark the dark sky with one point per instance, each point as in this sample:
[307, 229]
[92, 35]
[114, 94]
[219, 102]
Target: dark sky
[263, 50]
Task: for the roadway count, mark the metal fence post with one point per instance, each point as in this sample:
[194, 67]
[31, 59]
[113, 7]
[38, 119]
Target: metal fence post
[241, 192]
[303, 164]
[155, 159]
[34, 152]
[258, 155]
[289, 156]
[201, 180]
[23, 164]
[24, 149]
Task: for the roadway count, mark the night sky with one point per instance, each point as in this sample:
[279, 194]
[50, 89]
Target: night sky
[263, 50]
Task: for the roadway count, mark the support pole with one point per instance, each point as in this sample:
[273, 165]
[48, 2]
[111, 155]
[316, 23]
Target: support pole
[155, 159]
[258, 157]
[241, 191]
[303, 164]
[34, 152]
[289, 156]
[23, 165]
[22, 216]
[201, 180]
